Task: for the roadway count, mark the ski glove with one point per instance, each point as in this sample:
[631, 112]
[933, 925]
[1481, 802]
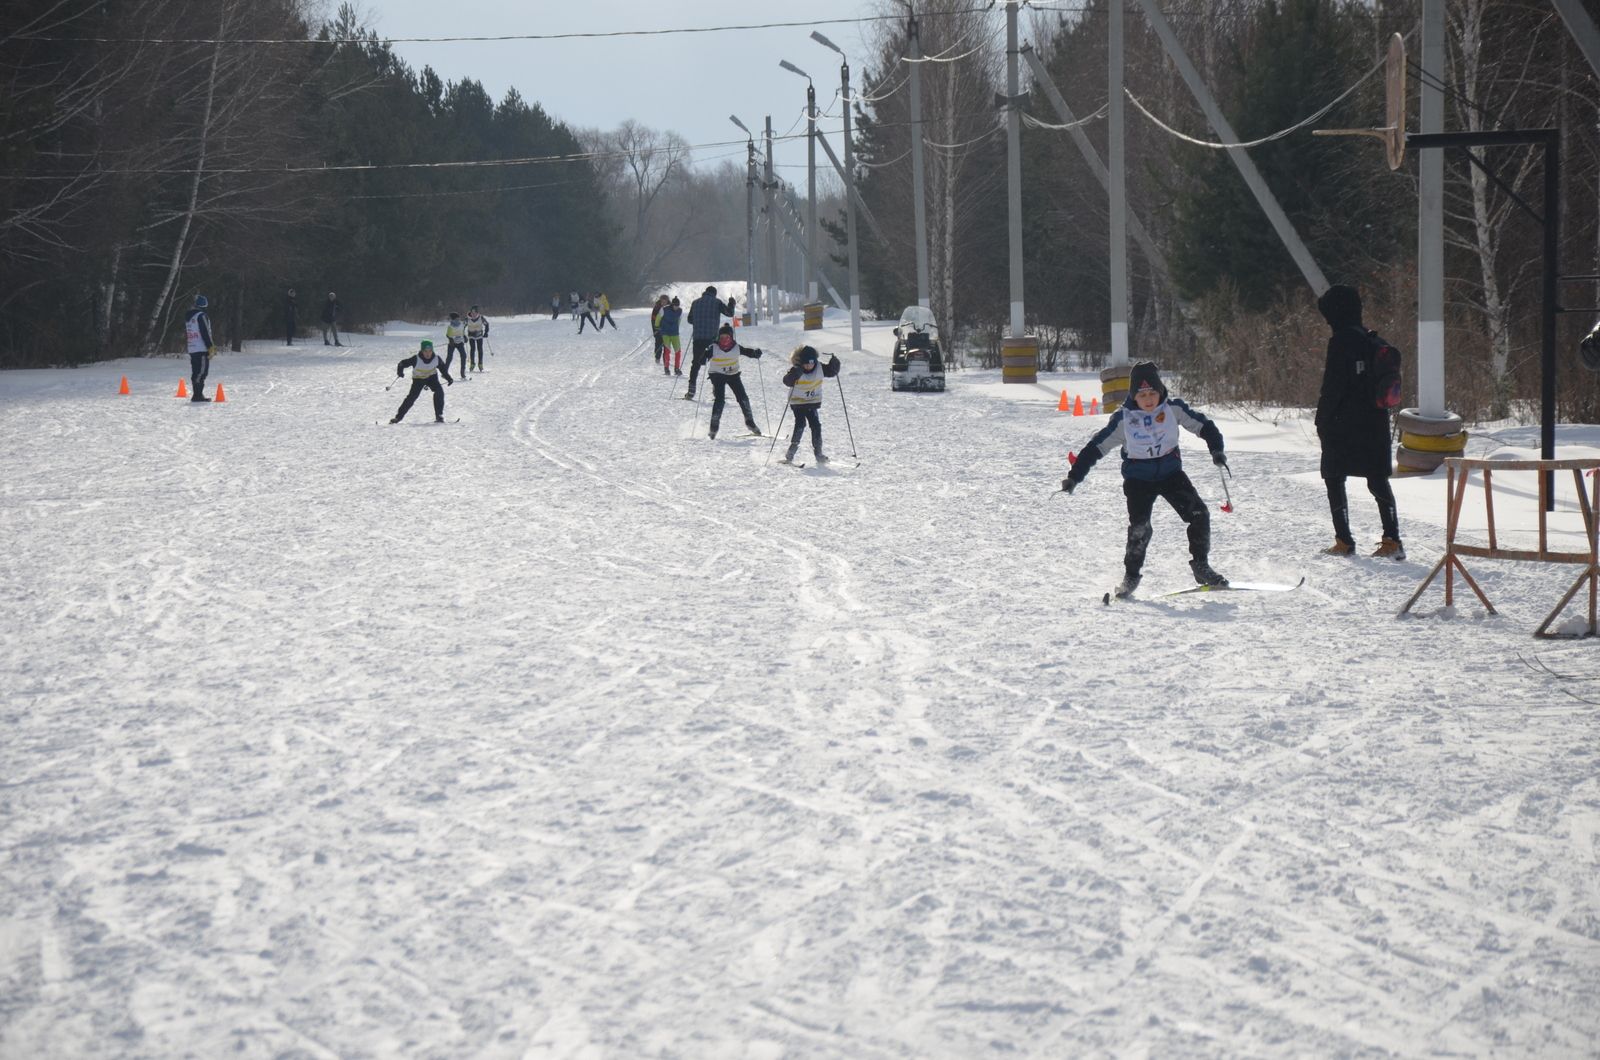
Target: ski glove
[1068, 485]
[1219, 458]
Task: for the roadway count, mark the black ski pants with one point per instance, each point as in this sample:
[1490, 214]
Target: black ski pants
[803, 415]
[432, 383]
[605, 318]
[699, 354]
[1176, 490]
[476, 352]
[720, 385]
[1339, 505]
[456, 346]
[327, 326]
[199, 368]
[588, 318]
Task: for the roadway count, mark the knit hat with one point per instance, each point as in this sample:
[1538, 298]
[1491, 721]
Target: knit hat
[803, 354]
[427, 344]
[725, 330]
[200, 301]
[1144, 375]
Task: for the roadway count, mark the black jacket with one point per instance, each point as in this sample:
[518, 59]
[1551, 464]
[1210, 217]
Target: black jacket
[1354, 432]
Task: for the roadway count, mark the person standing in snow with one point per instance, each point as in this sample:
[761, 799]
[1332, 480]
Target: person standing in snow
[289, 316]
[455, 334]
[477, 331]
[604, 305]
[1353, 430]
[723, 371]
[555, 306]
[426, 367]
[575, 300]
[804, 380]
[705, 315]
[588, 315]
[1151, 468]
[330, 320]
[671, 344]
[197, 338]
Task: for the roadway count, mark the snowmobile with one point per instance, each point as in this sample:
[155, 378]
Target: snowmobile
[918, 360]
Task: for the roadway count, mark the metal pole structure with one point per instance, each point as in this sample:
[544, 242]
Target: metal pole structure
[810, 256]
[1118, 189]
[1430, 220]
[918, 193]
[1014, 165]
[1582, 28]
[849, 195]
[749, 219]
[775, 272]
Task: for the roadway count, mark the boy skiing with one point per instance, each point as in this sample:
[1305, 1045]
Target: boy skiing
[804, 380]
[477, 331]
[1151, 468]
[655, 325]
[588, 315]
[603, 304]
[425, 367]
[671, 344]
[724, 374]
[454, 334]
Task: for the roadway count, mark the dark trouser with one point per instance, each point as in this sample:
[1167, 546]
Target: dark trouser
[605, 318]
[1378, 486]
[699, 353]
[720, 385]
[806, 414]
[199, 368]
[555, 312]
[289, 328]
[476, 352]
[1176, 490]
[432, 383]
[658, 347]
[328, 326]
[456, 346]
[587, 319]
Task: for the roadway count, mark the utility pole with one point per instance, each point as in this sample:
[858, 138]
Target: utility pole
[749, 220]
[774, 268]
[1118, 189]
[1430, 219]
[1014, 165]
[849, 195]
[810, 256]
[918, 193]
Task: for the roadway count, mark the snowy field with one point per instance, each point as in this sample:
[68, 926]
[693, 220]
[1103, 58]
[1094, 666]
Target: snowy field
[565, 732]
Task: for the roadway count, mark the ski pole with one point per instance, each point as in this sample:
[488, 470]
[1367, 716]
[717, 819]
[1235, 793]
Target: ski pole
[846, 409]
[392, 383]
[1227, 502]
[781, 412]
[766, 412]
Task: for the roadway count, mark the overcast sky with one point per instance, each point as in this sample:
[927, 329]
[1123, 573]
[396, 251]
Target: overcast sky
[685, 83]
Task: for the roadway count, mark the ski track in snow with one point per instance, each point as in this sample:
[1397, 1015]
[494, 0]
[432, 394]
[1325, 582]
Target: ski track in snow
[566, 732]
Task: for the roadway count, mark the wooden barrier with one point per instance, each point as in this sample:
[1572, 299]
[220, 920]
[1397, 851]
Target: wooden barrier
[1460, 471]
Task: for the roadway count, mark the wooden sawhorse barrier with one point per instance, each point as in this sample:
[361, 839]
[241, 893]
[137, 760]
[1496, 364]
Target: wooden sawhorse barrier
[1460, 471]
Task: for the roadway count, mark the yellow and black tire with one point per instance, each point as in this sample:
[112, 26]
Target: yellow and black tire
[1448, 444]
[1114, 397]
[1115, 371]
[1413, 461]
[1114, 386]
[1413, 422]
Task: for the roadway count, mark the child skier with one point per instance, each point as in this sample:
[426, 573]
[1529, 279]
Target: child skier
[477, 331]
[454, 333]
[1151, 468]
[804, 381]
[588, 315]
[671, 344]
[197, 337]
[425, 367]
[723, 372]
[655, 325]
[603, 304]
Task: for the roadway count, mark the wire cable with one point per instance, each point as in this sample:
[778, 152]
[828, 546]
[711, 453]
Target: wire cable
[1035, 123]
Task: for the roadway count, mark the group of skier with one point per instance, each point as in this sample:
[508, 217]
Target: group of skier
[592, 309]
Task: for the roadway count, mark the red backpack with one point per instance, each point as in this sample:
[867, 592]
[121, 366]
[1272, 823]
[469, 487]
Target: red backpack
[1380, 369]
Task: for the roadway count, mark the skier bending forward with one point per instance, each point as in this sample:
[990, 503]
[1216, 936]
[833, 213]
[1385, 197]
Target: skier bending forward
[425, 367]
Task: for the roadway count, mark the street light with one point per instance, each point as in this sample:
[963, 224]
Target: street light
[749, 217]
[849, 193]
[810, 279]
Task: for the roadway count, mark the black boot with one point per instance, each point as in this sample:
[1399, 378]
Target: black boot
[1204, 575]
[1130, 582]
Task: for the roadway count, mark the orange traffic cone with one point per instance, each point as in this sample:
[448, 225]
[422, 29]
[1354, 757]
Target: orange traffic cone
[1063, 406]
[1077, 405]
[1094, 406]
[221, 397]
[183, 389]
[123, 389]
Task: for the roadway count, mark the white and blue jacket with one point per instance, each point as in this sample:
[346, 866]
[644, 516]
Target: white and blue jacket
[1149, 440]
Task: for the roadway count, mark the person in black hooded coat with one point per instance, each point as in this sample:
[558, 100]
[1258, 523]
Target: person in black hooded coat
[1353, 430]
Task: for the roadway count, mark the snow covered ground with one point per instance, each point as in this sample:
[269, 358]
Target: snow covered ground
[565, 732]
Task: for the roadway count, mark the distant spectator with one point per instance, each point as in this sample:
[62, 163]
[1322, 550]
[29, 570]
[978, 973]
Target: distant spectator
[289, 324]
[197, 335]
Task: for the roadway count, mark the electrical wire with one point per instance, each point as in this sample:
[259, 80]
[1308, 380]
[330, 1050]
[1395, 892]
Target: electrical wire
[1280, 134]
[1035, 123]
[968, 143]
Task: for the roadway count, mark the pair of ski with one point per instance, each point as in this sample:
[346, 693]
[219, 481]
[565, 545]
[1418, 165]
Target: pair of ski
[833, 464]
[426, 423]
[1250, 587]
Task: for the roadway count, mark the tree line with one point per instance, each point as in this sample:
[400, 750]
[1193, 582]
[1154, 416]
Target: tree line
[1226, 302]
[151, 150]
